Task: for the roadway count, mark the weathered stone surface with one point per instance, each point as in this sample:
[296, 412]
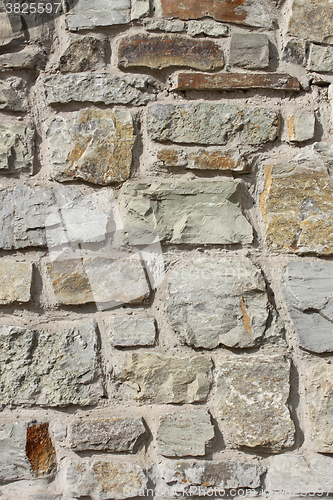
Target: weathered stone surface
[248, 12]
[83, 54]
[213, 302]
[294, 51]
[212, 123]
[175, 26]
[13, 94]
[140, 8]
[237, 471]
[312, 20]
[302, 475]
[253, 392]
[26, 451]
[320, 397]
[93, 145]
[301, 126]
[320, 59]
[99, 87]
[24, 59]
[234, 81]
[17, 148]
[210, 28]
[50, 369]
[162, 51]
[162, 378]
[185, 433]
[131, 332]
[109, 434]
[250, 50]
[308, 290]
[11, 33]
[183, 213]
[15, 281]
[297, 203]
[204, 159]
[102, 480]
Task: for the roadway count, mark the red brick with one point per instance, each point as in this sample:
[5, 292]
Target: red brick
[234, 81]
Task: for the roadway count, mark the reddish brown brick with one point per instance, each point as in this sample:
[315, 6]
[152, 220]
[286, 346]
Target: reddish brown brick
[161, 51]
[234, 81]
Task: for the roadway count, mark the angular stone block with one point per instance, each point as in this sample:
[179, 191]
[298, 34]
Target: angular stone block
[301, 126]
[99, 88]
[175, 26]
[162, 378]
[203, 159]
[109, 434]
[249, 50]
[50, 369]
[26, 58]
[162, 51]
[13, 94]
[15, 281]
[320, 397]
[311, 20]
[83, 54]
[297, 203]
[103, 480]
[185, 433]
[92, 145]
[294, 51]
[253, 392]
[184, 213]
[17, 148]
[213, 302]
[212, 123]
[131, 331]
[308, 290]
[320, 59]
[210, 28]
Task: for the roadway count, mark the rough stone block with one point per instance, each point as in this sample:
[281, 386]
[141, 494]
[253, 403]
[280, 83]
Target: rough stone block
[99, 88]
[213, 302]
[183, 213]
[131, 331]
[297, 204]
[15, 281]
[249, 50]
[253, 392]
[203, 159]
[311, 20]
[11, 33]
[109, 434]
[308, 290]
[162, 378]
[294, 51]
[102, 480]
[185, 433]
[17, 148]
[320, 397]
[162, 51]
[235, 81]
[26, 451]
[210, 28]
[175, 26]
[13, 94]
[320, 59]
[257, 13]
[26, 58]
[93, 145]
[212, 123]
[50, 369]
[301, 126]
[86, 53]
[140, 8]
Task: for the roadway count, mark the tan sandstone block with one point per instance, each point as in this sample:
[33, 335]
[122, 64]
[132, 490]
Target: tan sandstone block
[15, 282]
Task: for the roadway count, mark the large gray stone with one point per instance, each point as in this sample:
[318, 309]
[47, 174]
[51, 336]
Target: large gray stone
[320, 397]
[308, 291]
[132, 331]
[109, 434]
[249, 50]
[50, 369]
[215, 301]
[212, 123]
[102, 480]
[165, 378]
[320, 59]
[13, 94]
[193, 213]
[27, 58]
[100, 88]
[17, 148]
[253, 392]
[15, 281]
[311, 20]
[184, 433]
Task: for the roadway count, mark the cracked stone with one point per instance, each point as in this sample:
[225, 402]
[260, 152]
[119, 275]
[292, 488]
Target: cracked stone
[15, 281]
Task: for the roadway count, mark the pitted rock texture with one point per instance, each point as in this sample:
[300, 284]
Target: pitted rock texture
[13, 94]
[93, 145]
[207, 123]
[48, 369]
[201, 159]
[253, 392]
[312, 20]
[210, 28]
[320, 397]
[109, 434]
[131, 332]
[165, 378]
[213, 302]
[321, 58]
[84, 54]
[182, 213]
[17, 148]
[40, 450]
[308, 291]
[249, 51]
[186, 433]
[15, 281]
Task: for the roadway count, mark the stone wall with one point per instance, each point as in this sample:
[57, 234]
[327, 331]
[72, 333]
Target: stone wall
[166, 236]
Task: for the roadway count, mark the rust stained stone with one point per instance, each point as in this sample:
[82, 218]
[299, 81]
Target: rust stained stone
[229, 160]
[39, 449]
[234, 81]
[162, 51]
